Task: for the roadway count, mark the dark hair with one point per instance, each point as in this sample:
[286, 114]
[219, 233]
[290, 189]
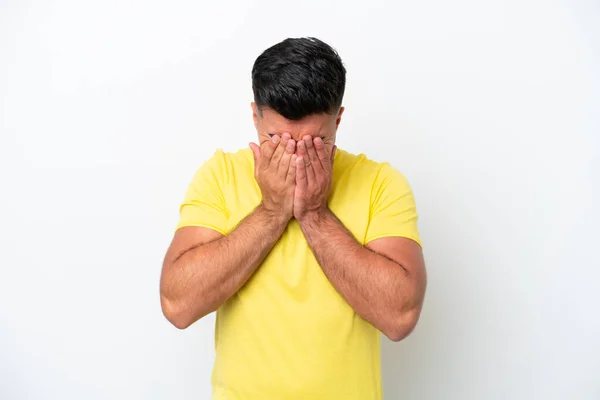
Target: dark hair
[299, 77]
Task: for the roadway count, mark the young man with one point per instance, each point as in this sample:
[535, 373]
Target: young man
[306, 253]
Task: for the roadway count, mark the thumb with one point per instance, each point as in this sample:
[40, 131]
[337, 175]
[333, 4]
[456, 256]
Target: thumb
[255, 152]
[333, 153]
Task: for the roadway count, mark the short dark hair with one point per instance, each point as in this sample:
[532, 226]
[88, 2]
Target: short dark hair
[299, 77]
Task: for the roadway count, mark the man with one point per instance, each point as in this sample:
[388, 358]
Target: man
[306, 253]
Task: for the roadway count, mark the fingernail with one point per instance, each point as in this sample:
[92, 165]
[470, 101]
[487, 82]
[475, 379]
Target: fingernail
[290, 144]
[286, 135]
[318, 141]
[275, 139]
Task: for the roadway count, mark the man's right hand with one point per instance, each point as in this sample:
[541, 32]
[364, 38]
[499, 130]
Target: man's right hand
[204, 268]
[275, 172]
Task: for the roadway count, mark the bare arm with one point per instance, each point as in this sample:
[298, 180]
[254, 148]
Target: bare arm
[384, 282]
[202, 268]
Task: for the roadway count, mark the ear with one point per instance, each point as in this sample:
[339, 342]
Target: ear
[339, 117]
[255, 113]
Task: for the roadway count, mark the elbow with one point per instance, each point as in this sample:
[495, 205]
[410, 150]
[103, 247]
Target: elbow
[175, 314]
[401, 327]
[179, 323]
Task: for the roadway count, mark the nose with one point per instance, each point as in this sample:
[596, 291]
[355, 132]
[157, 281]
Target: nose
[296, 136]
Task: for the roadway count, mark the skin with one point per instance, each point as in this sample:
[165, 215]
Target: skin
[383, 281]
[203, 268]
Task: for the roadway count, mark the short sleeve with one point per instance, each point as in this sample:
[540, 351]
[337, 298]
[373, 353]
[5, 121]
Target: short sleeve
[392, 211]
[204, 203]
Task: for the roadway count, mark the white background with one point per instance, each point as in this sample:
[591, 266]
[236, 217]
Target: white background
[491, 109]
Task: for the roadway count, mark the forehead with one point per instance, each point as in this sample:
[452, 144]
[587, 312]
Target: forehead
[314, 125]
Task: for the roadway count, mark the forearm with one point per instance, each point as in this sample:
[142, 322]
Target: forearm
[203, 277]
[380, 290]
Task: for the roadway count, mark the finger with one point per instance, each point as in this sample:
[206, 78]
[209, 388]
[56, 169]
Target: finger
[255, 153]
[268, 149]
[333, 155]
[313, 158]
[324, 158]
[284, 164]
[303, 152]
[301, 148]
[301, 180]
[291, 174]
[279, 150]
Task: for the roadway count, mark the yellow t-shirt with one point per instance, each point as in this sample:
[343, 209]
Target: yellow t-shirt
[287, 333]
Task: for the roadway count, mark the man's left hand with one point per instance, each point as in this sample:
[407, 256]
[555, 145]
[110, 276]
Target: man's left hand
[314, 167]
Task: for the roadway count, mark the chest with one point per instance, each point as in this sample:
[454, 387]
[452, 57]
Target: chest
[349, 200]
[290, 273]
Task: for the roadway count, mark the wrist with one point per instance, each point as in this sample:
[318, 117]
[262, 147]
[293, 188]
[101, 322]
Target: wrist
[273, 216]
[313, 216]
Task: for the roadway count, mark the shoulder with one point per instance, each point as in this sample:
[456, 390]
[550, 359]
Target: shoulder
[223, 165]
[240, 158]
[361, 166]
